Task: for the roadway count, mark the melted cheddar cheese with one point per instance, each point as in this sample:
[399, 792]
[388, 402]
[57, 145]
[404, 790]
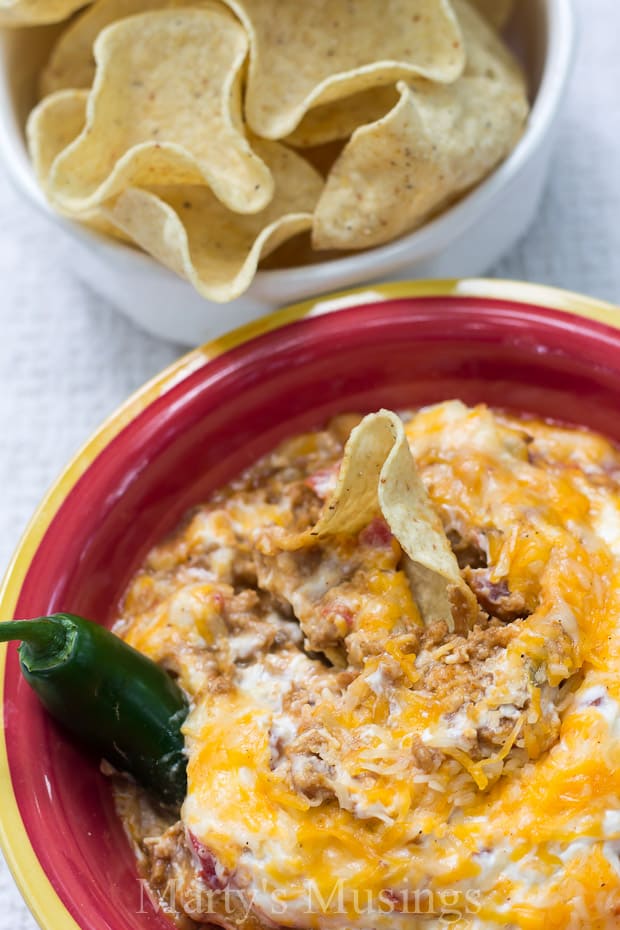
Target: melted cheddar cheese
[351, 766]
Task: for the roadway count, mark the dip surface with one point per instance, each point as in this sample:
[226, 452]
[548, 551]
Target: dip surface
[354, 763]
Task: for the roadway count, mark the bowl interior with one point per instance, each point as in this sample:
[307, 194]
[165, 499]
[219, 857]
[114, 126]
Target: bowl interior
[203, 431]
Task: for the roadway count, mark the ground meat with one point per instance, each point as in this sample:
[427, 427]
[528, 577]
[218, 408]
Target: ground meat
[434, 634]
[312, 777]
[456, 664]
[425, 759]
[467, 548]
[305, 505]
[303, 579]
[291, 462]
[243, 574]
[495, 596]
[158, 840]
[474, 673]
[481, 644]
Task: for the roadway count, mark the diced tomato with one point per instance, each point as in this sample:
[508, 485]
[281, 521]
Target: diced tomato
[376, 534]
[323, 482]
[340, 614]
[211, 872]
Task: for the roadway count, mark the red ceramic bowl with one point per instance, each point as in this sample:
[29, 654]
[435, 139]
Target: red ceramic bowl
[519, 347]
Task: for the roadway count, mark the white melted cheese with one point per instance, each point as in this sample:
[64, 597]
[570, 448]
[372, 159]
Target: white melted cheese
[597, 698]
[607, 525]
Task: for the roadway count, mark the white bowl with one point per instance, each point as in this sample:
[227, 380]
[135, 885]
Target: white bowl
[462, 242]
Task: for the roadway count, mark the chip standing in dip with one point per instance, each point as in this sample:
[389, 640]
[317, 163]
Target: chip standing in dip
[399, 639]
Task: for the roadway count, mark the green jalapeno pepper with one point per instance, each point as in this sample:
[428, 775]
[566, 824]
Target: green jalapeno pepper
[116, 701]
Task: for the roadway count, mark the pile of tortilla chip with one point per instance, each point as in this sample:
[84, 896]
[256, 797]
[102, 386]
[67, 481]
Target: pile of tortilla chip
[210, 132]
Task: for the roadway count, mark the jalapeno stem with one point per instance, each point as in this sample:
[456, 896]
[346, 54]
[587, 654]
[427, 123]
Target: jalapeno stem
[42, 636]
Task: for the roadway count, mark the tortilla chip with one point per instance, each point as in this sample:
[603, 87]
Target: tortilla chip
[338, 120]
[434, 145]
[71, 63]
[497, 12]
[51, 127]
[165, 109]
[318, 51]
[190, 231]
[33, 12]
[378, 477]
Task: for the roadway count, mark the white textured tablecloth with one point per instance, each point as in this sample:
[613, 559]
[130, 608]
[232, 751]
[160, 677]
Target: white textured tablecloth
[67, 359]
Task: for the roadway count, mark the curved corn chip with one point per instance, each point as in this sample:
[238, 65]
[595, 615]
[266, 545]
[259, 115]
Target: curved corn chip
[378, 476]
[310, 53]
[165, 109]
[188, 229]
[71, 62]
[496, 11]
[51, 127]
[338, 120]
[437, 142]
[33, 12]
